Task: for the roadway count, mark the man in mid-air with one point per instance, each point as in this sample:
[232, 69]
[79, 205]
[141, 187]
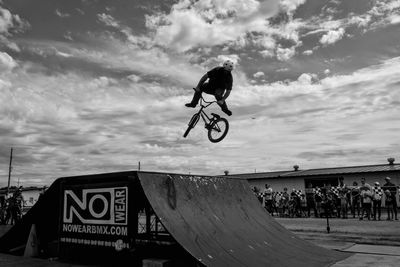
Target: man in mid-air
[219, 84]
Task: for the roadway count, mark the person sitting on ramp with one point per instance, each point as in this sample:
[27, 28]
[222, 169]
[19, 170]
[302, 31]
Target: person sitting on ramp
[219, 84]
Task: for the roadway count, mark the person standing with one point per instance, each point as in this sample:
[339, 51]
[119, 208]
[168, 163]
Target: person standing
[393, 191]
[366, 195]
[377, 200]
[355, 199]
[310, 199]
[389, 204]
[285, 201]
[342, 192]
[318, 201]
[268, 198]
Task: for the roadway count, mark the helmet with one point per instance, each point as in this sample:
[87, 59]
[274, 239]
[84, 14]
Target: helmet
[228, 65]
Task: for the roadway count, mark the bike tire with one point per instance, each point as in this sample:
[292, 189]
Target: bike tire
[215, 127]
[193, 121]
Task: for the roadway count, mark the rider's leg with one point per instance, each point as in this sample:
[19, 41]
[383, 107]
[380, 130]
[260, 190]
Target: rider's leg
[196, 97]
[224, 107]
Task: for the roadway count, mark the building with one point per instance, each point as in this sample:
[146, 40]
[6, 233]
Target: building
[299, 179]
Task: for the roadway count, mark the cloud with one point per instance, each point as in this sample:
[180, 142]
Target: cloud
[332, 36]
[6, 20]
[10, 21]
[7, 63]
[258, 74]
[209, 23]
[306, 78]
[10, 24]
[290, 6]
[61, 14]
[108, 20]
[284, 54]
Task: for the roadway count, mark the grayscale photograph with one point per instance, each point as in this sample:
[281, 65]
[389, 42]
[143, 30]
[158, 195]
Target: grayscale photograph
[164, 133]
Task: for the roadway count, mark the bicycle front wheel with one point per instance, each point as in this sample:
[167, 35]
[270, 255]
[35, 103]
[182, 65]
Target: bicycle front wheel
[192, 123]
[218, 130]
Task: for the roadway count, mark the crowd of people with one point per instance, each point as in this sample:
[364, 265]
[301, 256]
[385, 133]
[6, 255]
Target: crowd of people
[359, 201]
[11, 208]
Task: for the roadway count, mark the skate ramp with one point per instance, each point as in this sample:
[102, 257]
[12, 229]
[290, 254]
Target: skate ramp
[220, 223]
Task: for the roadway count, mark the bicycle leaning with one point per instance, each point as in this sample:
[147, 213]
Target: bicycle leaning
[216, 125]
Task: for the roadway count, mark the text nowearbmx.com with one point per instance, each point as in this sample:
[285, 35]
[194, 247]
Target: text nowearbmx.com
[96, 229]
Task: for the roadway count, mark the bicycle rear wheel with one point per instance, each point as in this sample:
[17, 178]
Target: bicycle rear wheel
[218, 130]
[193, 121]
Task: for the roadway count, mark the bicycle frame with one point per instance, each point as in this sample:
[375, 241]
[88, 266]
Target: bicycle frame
[204, 104]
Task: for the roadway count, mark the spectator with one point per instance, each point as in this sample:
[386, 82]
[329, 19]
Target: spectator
[327, 203]
[342, 195]
[366, 195]
[355, 200]
[285, 201]
[389, 204]
[310, 199]
[294, 204]
[303, 205]
[377, 200]
[277, 203]
[318, 201]
[393, 190]
[268, 198]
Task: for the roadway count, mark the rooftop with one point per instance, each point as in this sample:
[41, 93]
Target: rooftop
[316, 172]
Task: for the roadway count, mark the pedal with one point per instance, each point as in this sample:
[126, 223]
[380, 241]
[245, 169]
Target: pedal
[216, 115]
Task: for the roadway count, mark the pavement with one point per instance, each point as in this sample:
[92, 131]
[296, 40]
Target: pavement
[359, 238]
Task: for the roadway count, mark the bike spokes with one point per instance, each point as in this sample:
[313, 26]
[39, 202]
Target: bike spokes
[218, 130]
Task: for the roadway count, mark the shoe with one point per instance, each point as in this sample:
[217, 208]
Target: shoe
[190, 105]
[227, 111]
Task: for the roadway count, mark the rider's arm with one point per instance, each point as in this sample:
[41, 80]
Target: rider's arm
[227, 93]
[202, 80]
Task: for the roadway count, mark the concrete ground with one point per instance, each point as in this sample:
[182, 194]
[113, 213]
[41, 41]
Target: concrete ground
[372, 243]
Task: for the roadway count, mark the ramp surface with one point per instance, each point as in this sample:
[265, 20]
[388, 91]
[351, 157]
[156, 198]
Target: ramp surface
[221, 223]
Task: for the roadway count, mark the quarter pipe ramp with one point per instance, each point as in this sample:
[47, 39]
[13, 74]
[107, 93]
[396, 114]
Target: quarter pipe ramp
[216, 221]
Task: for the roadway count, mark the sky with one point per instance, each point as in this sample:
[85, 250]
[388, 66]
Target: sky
[94, 86]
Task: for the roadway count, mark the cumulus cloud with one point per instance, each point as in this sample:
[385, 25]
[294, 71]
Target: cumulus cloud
[332, 36]
[7, 63]
[290, 5]
[306, 78]
[284, 54]
[9, 24]
[258, 74]
[210, 23]
[10, 21]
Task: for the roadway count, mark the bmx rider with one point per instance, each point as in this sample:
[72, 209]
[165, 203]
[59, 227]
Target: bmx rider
[219, 84]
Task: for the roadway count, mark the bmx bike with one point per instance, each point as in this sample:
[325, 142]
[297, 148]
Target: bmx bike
[216, 126]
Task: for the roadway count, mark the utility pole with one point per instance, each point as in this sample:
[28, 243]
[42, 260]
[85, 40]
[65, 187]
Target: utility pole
[9, 171]
[139, 166]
